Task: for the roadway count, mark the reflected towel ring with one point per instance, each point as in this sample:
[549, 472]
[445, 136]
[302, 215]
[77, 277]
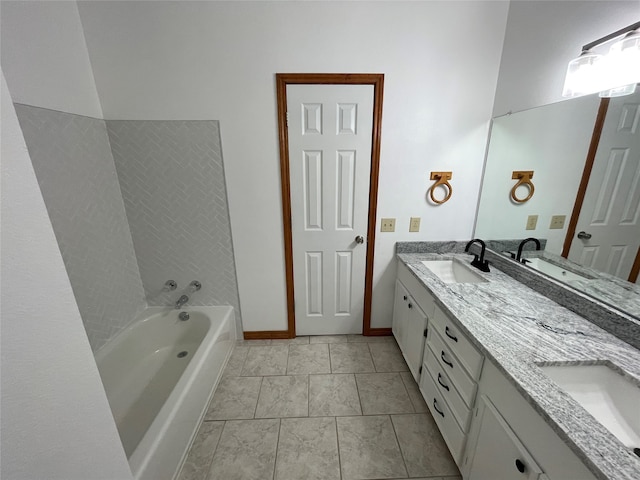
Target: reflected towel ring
[524, 179]
[442, 179]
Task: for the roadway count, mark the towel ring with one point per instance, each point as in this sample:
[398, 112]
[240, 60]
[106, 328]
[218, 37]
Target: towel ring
[524, 179]
[442, 179]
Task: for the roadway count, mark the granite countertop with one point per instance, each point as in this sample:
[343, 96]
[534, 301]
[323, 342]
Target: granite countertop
[519, 329]
[607, 288]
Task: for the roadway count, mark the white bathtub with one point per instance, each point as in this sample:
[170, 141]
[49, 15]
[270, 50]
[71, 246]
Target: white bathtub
[158, 395]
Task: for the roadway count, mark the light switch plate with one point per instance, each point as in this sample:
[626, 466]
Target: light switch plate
[414, 224]
[388, 225]
[557, 222]
[532, 221]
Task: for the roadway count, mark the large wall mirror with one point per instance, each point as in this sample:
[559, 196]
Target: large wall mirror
[554, 142]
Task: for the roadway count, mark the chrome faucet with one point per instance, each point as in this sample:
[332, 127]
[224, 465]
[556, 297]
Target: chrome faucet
[480, 263]
[521, 246]
[181, 301]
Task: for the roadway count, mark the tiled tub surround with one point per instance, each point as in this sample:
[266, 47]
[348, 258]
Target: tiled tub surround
[172, 179]
[504, 319]
[72, 160]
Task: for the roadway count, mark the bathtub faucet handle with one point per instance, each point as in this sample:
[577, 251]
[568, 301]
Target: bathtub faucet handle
[181, 301]
[195, 286]
[170, 285]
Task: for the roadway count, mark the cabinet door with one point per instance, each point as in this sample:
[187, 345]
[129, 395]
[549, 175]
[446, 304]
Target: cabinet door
[400, 313]
[498, 452]
[414, 337]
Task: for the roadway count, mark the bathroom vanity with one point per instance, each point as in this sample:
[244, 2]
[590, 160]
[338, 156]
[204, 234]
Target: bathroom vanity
[477, 346]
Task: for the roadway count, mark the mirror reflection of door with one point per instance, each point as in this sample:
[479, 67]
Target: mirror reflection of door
[607, 235]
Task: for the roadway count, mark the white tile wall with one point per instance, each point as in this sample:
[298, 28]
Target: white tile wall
[172, 179]
[76, 172]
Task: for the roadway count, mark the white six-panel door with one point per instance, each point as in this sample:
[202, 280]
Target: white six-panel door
[611, 209]
[330, 132]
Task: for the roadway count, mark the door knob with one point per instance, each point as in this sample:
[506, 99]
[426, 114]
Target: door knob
[584, 236]
[359, 239]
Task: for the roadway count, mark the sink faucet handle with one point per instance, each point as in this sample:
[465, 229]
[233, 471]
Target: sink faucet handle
[195, 286]
[170, 285]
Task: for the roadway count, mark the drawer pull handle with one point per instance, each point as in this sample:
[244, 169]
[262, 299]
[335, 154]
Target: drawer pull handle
[445, 360]
[519, 465]
[405, 297]
[445, 386]
[452, 337]
[435, 405]
[410, 306]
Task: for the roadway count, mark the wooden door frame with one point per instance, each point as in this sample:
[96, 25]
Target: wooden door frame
[377, 80]
[584, 183]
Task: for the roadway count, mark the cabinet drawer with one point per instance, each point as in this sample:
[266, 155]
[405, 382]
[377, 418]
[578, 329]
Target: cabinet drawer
[467, 354]
[449, 428]
[449, 363]
[416, 289]
[447, 389]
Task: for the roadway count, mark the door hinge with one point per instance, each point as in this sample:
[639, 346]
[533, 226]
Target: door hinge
[287, 119]
[425, 332]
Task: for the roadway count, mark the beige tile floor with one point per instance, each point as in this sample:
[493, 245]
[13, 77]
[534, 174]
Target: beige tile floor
[318, 408]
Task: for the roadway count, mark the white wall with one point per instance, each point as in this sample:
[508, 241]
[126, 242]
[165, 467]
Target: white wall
[217, 60]
[542, 37]
[56, 422]
[44, 57]
[553, 142]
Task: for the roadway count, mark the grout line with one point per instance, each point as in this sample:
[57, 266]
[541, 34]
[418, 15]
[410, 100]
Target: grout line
[255, 410]
[335, 423]
[406, 389]
[358, 392]
[275, 460]
[404, 462]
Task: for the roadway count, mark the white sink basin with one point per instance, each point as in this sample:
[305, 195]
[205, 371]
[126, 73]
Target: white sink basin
[611, 398]
[553, 270]
[450, 271]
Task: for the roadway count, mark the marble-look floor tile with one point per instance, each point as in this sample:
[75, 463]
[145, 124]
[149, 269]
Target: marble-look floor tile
[423, 448]
[371, 339]
[304, 359]
[196, 466]
[368, 448]
[290, 341]
[266, 360]
[387, 357]
[234, 398]
[308, 449]
[333, 395]
[383, 393]
[246, 450]
[413, 390]
[350, 358]
[328, 339]
[286, 396]
[235, 362]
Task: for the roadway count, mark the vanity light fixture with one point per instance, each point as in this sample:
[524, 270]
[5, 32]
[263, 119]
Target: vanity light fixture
[614, 74]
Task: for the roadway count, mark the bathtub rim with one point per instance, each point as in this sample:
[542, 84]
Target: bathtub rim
[221, 318]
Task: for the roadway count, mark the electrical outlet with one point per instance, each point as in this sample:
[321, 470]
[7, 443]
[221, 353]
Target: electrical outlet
[557, 222]
[388, 225]
[414, 224]
[532, 221]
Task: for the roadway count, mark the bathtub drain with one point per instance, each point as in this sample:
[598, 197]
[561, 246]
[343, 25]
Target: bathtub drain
[183, 354]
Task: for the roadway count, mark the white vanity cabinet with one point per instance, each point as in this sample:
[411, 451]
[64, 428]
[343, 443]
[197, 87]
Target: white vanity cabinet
[411, 311]
[509, 440]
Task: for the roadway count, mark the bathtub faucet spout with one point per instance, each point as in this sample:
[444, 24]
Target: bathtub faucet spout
[181, 301]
